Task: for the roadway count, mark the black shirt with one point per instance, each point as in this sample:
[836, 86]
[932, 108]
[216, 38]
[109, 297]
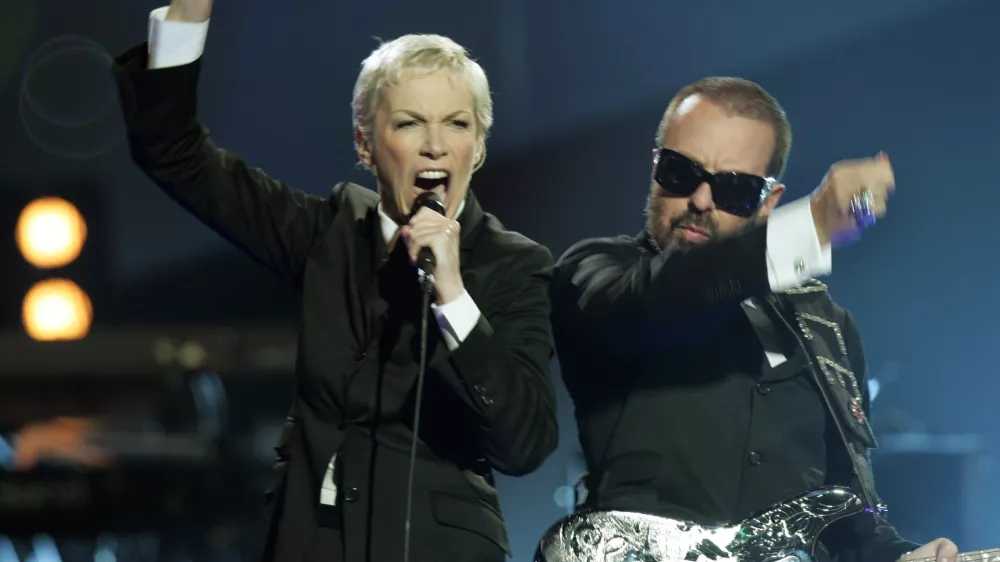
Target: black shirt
[705, 430]
[680, 413]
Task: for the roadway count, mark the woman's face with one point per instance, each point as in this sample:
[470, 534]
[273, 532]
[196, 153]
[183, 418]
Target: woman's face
[424, 138]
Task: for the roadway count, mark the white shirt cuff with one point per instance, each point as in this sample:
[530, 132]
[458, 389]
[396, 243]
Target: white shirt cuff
[794, 254]
[174, 43]
[456, 319]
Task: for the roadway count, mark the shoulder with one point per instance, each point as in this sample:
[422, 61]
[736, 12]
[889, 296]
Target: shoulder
[518, 250]
[621, 247]
[353, 198]
[614, 251]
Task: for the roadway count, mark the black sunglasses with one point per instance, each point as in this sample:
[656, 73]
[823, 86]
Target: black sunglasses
[733, 192]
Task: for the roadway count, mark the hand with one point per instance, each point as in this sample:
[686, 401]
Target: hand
[189, 10]
[62, 439]
[831, 202]
[428, 229]
[941, 549]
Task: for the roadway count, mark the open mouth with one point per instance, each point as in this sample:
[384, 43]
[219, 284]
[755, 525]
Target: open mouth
[433, 180]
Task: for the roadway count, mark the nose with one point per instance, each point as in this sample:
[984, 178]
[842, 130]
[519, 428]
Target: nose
[434, 146]
[701, 200]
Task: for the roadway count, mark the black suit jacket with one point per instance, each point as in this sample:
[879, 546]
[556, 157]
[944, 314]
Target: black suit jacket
[618, 303]
[489, 405]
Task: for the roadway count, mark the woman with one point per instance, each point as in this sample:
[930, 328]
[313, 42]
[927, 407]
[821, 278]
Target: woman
[422, 111]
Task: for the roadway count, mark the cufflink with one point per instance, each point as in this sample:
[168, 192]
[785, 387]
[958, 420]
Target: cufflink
[800, 267]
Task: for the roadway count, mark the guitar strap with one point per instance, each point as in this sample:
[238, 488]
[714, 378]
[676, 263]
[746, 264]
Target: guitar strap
[829, 363]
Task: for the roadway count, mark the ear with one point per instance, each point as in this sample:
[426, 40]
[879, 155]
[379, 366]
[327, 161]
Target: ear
[363, 147]
[772, 199]
[480, 156]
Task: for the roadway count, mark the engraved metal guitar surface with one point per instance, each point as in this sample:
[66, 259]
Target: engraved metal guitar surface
[786, 532]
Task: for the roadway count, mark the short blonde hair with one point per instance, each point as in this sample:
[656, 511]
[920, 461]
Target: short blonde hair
[386, 65]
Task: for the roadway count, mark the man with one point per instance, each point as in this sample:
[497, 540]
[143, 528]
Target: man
[694, 397]
[340, 489]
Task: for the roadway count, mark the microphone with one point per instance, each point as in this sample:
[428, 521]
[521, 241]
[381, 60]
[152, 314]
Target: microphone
[425, 258]
[425, 266]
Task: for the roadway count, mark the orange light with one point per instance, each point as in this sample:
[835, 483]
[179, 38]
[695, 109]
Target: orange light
[50, 232]
[56, 309]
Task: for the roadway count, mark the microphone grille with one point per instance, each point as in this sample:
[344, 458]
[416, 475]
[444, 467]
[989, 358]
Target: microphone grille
[430, 200]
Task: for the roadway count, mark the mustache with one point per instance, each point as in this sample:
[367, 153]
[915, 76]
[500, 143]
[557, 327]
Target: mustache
[689, 219]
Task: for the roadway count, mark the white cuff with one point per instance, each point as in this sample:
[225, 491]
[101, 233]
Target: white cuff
[794, 254]
[174, 43]
[456, 319]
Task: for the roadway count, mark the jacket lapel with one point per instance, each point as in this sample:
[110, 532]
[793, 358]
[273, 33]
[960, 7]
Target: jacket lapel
[471, 219]
[371, 279]
[813, 317]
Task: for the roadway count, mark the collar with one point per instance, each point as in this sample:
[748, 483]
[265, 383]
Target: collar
[389, 226]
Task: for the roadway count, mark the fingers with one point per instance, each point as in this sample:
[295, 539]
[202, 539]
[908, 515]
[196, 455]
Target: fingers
[947, 551]
[882, 173]
[880, 200]
[428, 229]
[189, 10]
[427, 216]
[850, 178]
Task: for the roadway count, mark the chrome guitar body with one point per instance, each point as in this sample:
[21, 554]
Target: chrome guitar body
[786, 532]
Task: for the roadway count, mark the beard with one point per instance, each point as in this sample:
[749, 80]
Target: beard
[665, 232]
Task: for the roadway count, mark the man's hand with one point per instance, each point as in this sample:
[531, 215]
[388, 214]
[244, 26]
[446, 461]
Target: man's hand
[831, 202]
[943, 550]
[62, 439]
[194, 11]
[428, 229]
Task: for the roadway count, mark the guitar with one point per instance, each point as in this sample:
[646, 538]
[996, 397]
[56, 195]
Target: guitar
[785, 532]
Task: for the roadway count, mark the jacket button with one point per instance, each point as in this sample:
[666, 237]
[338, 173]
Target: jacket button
[360, 354]
[351, 494]
[755, 458]
[763, 389]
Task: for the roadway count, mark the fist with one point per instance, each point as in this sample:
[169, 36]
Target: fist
[832, 206]
[189, 10]
[441, 235]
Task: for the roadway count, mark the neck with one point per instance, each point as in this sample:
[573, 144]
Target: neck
[392, 213]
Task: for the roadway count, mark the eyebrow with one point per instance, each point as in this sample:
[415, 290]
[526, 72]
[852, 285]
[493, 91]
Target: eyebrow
[420, 117]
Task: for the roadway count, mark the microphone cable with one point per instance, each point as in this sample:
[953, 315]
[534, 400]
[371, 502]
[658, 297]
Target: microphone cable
[426, 272]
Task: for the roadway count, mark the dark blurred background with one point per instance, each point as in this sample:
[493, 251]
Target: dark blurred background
[188, 356]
